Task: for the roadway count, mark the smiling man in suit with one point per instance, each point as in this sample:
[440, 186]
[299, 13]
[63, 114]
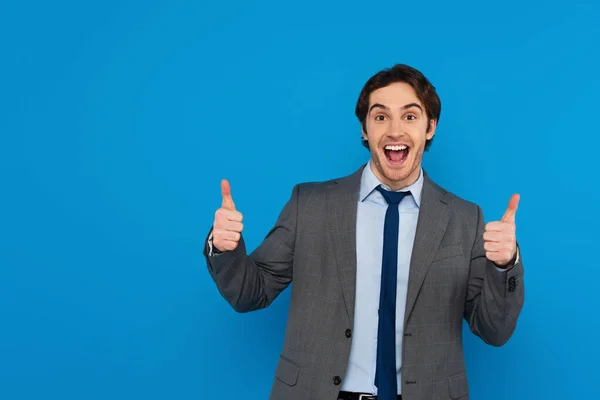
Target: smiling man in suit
[385, 265]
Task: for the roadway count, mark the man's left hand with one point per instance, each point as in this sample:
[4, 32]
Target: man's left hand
[500, 239]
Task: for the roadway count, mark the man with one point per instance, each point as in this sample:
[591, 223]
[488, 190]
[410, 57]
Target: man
[385, 265]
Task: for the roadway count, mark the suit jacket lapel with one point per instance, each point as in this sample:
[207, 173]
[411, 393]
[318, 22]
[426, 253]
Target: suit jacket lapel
[434, 215]
[342, 203]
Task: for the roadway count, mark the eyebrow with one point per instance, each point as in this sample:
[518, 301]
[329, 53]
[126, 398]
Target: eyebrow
[406, 107]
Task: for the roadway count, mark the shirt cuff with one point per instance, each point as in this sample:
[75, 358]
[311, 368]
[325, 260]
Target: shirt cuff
[212, 251]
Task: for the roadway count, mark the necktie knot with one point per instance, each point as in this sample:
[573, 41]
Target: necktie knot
[392, 197]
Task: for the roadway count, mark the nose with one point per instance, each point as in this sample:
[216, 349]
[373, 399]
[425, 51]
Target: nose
[396, 128]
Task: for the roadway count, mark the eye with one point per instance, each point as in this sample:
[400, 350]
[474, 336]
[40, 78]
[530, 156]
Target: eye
[379, 117]
[411, 117]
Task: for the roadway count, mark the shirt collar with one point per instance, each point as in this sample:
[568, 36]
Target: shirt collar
[369, 182]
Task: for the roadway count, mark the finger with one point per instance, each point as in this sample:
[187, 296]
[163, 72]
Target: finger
[495, 226]
[228, 215]
[221, 234]
[513, 204]
[506, 237]
[500, 257]
[494, 236]
[500, 226]
[492, 246]
[227, 202]
[232, 226]
[225, 245]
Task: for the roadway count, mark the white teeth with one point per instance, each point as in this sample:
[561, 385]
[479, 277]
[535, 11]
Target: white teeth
[395, 148]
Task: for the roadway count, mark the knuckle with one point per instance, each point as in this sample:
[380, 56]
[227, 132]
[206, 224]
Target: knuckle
[220, 216]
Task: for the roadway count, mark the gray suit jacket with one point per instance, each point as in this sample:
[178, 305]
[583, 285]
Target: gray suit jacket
[313, 245]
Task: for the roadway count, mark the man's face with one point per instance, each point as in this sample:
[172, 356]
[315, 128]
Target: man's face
[397, 132]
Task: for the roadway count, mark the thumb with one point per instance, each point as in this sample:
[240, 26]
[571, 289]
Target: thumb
[226, 193]
[513, 204]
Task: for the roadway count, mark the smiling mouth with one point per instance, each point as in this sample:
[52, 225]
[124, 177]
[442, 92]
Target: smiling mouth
[396, 155]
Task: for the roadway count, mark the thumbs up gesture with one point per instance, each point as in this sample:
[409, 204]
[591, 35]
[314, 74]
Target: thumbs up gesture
[500, 240]
[227, 227]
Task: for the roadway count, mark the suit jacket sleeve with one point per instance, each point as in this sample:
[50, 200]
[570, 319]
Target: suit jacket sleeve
[251, 282]
[495, 297]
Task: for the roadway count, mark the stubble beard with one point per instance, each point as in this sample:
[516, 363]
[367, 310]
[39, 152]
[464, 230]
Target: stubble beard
[397, 178]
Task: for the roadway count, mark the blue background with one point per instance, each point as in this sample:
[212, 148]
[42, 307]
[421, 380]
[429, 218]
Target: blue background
[119, 118]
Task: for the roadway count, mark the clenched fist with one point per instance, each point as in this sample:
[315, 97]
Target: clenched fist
[227, 228]
[500, 240]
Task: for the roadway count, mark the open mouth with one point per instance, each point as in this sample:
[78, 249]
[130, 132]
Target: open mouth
[396, 155]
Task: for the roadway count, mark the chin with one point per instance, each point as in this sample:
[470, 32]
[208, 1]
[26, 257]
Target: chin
[394, 173]
[397, 177]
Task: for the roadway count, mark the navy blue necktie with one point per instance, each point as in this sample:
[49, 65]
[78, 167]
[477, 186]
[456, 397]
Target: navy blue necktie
[385, 375]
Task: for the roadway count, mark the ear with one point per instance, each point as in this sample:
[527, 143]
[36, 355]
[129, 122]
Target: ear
[432, 127]
[363, 131]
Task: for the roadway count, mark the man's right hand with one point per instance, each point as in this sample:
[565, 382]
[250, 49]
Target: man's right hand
[227, 228]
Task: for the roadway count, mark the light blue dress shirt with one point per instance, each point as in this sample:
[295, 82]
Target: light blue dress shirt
[360, 374]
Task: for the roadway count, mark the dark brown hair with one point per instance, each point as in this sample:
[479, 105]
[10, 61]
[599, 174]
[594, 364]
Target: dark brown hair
[400, 73]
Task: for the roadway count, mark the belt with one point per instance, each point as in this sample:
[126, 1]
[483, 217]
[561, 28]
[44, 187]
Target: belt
[359, 396]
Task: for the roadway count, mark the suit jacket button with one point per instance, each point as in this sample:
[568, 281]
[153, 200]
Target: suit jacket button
[348, 333]
[337, 380]
[512, 284]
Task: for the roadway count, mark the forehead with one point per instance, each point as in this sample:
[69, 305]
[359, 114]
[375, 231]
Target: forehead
[395, 95]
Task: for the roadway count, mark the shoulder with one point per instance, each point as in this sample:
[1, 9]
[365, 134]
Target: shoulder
[458, 204]
[316, 186]
[346, 183]
[313, 191]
